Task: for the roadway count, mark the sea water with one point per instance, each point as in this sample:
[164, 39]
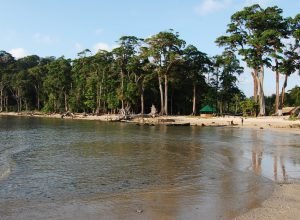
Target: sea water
[70, 169]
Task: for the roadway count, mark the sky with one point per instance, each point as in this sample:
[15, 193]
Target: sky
[66, 27]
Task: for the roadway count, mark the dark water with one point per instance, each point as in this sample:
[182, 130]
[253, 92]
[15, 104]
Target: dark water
[64, 169]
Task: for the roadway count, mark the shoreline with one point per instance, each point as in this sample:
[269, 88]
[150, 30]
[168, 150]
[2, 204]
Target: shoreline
[283, 203]
[274, 123]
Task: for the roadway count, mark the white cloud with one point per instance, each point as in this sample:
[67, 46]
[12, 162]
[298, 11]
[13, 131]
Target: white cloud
[103, 46]
[18, 52]
[211, 6]
[262, 3]
[45, 39]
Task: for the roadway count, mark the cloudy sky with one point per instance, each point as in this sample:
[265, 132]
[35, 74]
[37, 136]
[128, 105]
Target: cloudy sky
[66, 27]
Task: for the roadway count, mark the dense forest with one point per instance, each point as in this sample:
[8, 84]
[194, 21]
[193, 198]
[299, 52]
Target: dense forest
[162, 70]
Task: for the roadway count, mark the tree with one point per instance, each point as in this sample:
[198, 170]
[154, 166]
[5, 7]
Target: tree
[290, 61]
[127, 49]
[196, 65]
[36, 76]
[294, 94]
[165, 50]
[277, 30]
[6, 63]
[248, 33]
[226, 68]
[21, 86]
[248, 107]
[58, 84]
[102, 64]
[141, 69]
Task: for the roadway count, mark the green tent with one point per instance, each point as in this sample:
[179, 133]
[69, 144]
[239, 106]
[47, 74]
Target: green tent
[207, 110]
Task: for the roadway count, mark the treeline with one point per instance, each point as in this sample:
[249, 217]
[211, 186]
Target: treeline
[160, 70]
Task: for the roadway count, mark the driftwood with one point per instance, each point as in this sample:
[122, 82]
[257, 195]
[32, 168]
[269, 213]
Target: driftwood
[67, 114]
[166, 120]
[179, 124]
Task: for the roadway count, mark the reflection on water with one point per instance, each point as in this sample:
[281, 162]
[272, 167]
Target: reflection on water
[64, 169]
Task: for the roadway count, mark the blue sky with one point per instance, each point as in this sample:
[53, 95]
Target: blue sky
[66, 27]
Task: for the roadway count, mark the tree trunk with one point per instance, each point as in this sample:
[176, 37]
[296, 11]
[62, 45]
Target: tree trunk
[166, 94]
[142, 102]
[277, 87]
[283, 91]
[194, 99]
[260, 81]
[19, 102]
[221, 107]
[1, 99]
[255, 84]
[37, 90]
[122, 89]
[161, 95]
[6, 103]
[100, 97]
[66, 102]
[38, 100]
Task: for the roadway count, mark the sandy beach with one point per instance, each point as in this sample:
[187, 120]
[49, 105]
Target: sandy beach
[282, 124]
[284, 203]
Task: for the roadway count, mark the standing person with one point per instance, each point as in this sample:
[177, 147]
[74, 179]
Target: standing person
[242, 119]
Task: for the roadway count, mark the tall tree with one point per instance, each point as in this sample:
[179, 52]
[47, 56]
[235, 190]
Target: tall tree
[6, 64]
[247, 35]
[20, 83]
[277, 30]
[227, 67]
[127, 49]
[102, 64]
[196, 64]
[165, 50]
[290, 61]
[58, 84]
[37, 74]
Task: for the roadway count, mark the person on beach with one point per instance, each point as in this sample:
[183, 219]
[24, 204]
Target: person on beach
[242, 119]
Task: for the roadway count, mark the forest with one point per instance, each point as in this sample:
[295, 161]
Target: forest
[164, 71]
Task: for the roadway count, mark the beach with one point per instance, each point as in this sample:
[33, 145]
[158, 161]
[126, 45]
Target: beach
[276, 123]
[283, 203]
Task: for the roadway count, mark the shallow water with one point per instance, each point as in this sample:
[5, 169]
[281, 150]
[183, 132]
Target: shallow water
[64, 169]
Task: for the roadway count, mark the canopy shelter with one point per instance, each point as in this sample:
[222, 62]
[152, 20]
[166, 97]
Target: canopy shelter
[207, 110]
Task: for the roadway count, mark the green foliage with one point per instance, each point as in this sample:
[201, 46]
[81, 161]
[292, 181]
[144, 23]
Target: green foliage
[295, 96]
[50, 105]
[293, 118]
[248, 107]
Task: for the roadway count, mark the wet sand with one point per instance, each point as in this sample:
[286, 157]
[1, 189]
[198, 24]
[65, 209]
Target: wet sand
[284, 203]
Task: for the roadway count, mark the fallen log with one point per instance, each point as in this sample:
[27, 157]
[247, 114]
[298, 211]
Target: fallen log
[179, 124]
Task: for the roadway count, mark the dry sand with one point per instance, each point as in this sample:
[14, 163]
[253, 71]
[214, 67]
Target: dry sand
[284, 203]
